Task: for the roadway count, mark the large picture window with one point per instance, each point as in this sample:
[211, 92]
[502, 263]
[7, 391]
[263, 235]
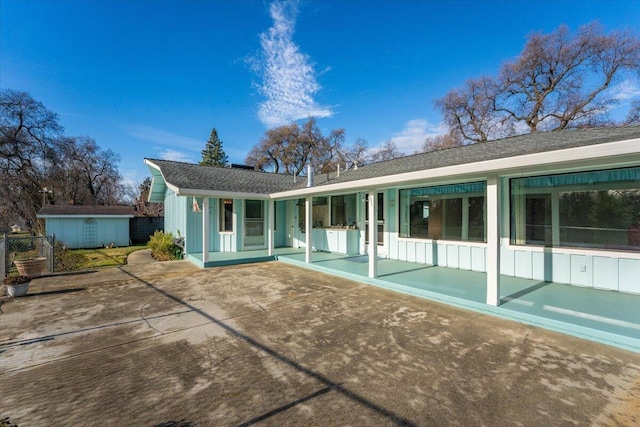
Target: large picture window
[445, 212]
[599, 209]
[226, 215]
[343, 210]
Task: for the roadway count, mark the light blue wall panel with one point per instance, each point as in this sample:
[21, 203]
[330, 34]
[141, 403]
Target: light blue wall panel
[522, 265]
[393, 245]
[194, 226]
[280, 238]
[464, 257]
[402, 250]
[420, 253]
[411, 252]
[507, 261]
[541, 266]
[561, 268]
[452, 256]
[478, 258]
[581, 270]
[104, 231]
[441, 251]
[605, 273]
[629, 276]
[431, 252]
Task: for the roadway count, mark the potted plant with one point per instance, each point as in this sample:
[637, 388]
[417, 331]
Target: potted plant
[32, 267]
[17, 286]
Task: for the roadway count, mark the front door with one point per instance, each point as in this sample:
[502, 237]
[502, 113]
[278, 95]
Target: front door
[254, 233]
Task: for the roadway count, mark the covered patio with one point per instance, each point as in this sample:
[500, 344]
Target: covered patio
[607, 317]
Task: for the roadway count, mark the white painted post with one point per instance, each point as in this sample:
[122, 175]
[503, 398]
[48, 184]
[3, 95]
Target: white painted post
[205, 229]
[308, 216]
[373, 234]
[493, 240]
[271, 226]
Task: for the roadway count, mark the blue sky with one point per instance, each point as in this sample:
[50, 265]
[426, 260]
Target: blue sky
[151, 78]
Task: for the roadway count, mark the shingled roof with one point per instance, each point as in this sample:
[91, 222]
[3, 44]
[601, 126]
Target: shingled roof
[75, 210]
[220, 179]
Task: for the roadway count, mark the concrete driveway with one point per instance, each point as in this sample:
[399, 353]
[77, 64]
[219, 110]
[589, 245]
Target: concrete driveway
[167, 344]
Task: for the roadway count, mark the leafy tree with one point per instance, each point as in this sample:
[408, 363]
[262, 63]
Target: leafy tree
[559, 80]
[287, 149]
[213, 154]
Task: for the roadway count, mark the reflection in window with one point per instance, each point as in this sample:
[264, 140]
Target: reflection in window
[448, 212]
[343, 210]
[598, 209]
[226, 215]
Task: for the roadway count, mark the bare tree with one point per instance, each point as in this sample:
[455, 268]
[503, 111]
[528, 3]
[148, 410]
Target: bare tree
[287, 149]
[356, 155]
[141, 204]
[441, 142]
[559, 80]
[633, 117]
[388, 151]
[29, 133]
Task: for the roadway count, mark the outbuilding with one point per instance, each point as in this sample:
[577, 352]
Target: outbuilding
[87, 226]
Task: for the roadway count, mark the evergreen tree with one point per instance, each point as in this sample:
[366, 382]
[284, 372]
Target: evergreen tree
[213, 154]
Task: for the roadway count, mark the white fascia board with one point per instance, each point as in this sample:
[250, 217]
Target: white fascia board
[220, 194]
[623, 152]
[82, 216]
[152, 165]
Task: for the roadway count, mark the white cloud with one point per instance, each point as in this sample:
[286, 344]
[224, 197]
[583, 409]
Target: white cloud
[175, 155]
[288, 77]
[411, 138]
[159, 136]
[626, 90]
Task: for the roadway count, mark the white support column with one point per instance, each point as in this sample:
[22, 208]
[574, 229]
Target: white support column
[493, 240]
[205, 229]
[271, 225]
[308, 217]
[373, 234]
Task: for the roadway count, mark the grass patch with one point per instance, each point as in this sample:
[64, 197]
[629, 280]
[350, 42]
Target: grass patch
[102, 257]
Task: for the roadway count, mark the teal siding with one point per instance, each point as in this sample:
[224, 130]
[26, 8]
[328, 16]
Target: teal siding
[280, 238]
[175, 209]
[77, 233]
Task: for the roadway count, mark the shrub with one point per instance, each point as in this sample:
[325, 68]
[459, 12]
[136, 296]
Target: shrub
[66, 260]
[162, 247]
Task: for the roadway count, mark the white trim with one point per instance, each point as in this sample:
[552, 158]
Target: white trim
[469, 243]
[60, 216]
[622, 152]
[565, 250]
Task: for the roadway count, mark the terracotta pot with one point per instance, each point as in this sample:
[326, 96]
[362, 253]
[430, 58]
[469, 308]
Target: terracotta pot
[18, 290]
[31, 267]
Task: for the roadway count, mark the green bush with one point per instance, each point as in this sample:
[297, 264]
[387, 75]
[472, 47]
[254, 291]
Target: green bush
[162, 247]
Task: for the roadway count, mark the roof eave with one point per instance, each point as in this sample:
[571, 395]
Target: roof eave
[623, 152]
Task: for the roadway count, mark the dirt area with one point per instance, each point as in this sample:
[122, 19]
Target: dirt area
[167, 344]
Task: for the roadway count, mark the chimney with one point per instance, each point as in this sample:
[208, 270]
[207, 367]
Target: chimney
[309, 175]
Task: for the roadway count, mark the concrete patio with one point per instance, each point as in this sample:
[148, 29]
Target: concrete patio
[169, 344]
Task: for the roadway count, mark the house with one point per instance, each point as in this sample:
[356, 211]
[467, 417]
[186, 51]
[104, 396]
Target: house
[15, 228]
[87, 226]
[559, 206]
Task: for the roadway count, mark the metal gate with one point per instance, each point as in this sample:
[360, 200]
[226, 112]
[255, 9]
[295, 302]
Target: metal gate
[24, 247]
